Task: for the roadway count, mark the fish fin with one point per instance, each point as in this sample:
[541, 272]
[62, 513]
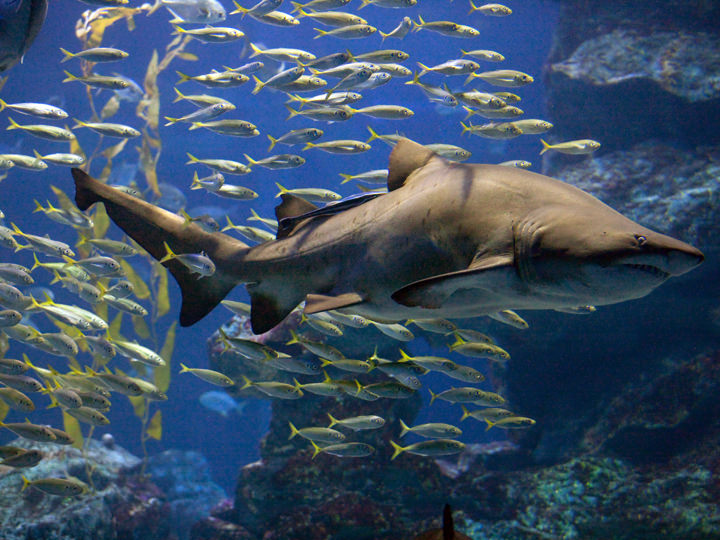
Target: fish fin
[545, 147]
[267, 309]
[151, 227]
[406, 157]
[448, 525]
[404, 428]
[398, 449]
[433, 291]
[315, 303]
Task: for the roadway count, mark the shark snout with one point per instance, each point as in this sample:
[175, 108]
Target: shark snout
[683, 259]
[676, 256]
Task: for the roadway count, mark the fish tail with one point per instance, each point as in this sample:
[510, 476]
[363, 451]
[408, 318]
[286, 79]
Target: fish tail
[333, 420]
[193, 125]
[404, 357]
[346, 178]
[415, 79]
[56, 278]
[298, 7]
[469, 78]
[470, 112]
[489, 424]
[309, 145]
[465, 413]
[465, 128]
[38, 206]
[418, 25]
[384, 35]
[320, 32]
[365, 3]
[151, 227]
[259, 85]
[473, 8]
[458, 341]
[294, 339]
[169, 252]
[239, 9]
[3, 104]
[404, 427]
[13, 124]
[171, 121]
[464, 52]
[250, 160]
[192, 158]
[178, 30]
[424, 69]
[433, 396]
[293, 430]
[316, 449]
[273, 142]
[70, 77]
[292, 111]
[67, 55]
[183, 77]
[398, 449]
[195, 181]
[180, 95]
[184, 369]
[373, 135]
[256, 50]
[37, 262]
[230, 225]
[26, 482]
[545, 148]
[247, 383]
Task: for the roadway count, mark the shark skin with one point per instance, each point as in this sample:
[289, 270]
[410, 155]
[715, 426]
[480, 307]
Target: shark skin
[449, 240]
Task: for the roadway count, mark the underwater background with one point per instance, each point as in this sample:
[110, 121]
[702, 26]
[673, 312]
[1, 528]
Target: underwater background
[627, 436]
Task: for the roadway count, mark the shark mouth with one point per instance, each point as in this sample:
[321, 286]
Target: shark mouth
[654, 270]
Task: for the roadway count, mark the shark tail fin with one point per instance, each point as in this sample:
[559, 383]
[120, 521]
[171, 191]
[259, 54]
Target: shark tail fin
[152, 227]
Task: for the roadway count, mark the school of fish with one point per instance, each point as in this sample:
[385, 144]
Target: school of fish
[75, 365]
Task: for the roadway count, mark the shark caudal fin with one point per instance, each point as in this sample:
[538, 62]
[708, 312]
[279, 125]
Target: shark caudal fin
[152, 227]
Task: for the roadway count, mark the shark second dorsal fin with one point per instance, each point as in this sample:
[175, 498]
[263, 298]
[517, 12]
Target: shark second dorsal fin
[406, 157]
[292, 206]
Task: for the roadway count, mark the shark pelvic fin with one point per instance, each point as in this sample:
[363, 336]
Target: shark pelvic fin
[406, 157]
[268, 310]
[315, 303]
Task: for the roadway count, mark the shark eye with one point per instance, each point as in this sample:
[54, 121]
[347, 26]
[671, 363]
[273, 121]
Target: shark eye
[641, 240]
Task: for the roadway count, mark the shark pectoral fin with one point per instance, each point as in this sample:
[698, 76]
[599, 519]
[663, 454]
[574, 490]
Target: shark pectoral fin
[315, 303]
[406, 157]
[432, 292]
[267, 310]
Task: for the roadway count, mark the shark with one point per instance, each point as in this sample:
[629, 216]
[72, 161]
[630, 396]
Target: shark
[448, 240]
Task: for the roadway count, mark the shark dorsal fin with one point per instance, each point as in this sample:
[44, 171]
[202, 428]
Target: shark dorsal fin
[406, 157]
[292, 206]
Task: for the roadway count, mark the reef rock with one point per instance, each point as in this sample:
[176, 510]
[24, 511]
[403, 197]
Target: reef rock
[624, 72]
[124, 501]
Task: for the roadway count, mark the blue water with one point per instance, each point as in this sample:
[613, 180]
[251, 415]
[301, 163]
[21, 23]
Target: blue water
[228, 443]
